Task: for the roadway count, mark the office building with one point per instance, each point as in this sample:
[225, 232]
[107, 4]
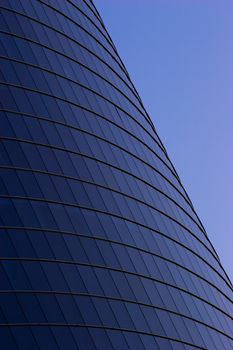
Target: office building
[100, 246]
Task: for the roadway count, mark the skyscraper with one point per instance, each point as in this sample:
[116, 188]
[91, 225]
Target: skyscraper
[100, 246]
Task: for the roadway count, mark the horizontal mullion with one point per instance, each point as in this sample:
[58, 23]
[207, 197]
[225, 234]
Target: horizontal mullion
[123, 300]
[143, 250]
[104, 267]
[74, 60]
[77, 105]
[95, 92]
[20, 114]
[126, 330]
[76, 42]
[76, 23]
[96, 159]
[96, 210]
[128, 195]
[75, 152]
[53, 231]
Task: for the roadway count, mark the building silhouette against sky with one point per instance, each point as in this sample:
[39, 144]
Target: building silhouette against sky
[100, 245]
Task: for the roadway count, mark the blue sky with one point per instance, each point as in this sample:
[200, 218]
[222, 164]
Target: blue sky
[179, 54]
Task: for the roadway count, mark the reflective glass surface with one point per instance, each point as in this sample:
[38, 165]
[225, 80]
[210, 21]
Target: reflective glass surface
[100, 246]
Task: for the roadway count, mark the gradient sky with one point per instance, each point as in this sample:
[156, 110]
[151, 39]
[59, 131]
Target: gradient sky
[179, 54]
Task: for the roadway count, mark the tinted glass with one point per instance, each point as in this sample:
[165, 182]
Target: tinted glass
[100, 247]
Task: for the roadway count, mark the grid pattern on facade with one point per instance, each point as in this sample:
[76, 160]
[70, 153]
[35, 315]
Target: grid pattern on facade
[100, 247]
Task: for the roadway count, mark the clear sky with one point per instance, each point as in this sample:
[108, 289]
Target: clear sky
[179, 54]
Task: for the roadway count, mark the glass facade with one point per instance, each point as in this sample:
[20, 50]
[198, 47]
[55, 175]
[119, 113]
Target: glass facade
[100, 246]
